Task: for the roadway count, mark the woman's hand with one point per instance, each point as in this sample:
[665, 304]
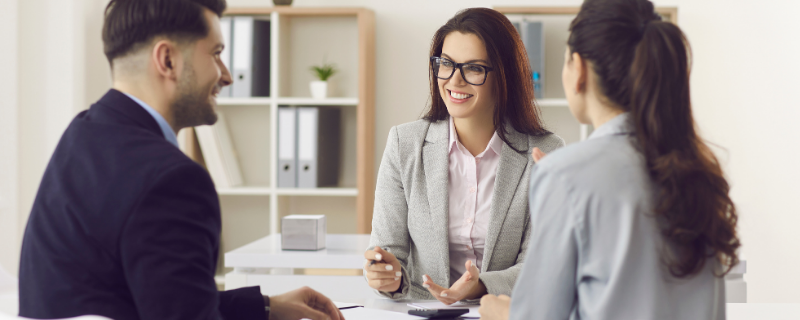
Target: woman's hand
[385, 275]
[494, 307]
[469, 286]
[537, 154]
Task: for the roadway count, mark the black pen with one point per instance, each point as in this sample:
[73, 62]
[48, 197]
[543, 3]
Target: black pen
[350, 307]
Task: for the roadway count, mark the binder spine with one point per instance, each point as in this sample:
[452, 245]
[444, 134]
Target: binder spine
[242, 57]
[307, 125]
[287, 147]
[319, 145]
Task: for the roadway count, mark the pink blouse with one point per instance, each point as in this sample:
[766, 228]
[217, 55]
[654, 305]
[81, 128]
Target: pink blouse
[471, 185]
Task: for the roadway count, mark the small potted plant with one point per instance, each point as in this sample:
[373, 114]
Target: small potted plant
[319, 88]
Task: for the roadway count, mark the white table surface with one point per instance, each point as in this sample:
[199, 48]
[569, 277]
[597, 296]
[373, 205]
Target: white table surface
[342, 251]
[734, 311]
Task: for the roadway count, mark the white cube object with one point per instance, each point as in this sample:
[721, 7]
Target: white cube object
[303, 232]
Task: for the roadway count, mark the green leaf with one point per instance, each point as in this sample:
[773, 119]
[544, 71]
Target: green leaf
[324, 71]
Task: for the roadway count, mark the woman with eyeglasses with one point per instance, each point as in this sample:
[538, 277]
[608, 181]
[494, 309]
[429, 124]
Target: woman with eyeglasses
[635, 222]
[451, 218]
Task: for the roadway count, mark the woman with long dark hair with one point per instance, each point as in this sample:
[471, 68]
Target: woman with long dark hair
[451, 206]
[635, 222]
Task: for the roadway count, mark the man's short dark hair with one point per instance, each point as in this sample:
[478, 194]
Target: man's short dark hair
[131, 23]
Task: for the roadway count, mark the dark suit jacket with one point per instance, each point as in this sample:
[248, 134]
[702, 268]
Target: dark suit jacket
[125, 226]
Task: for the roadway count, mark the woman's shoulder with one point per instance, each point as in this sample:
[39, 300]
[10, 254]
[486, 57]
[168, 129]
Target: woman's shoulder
[547, 142]
[417, 127]
[417, 130]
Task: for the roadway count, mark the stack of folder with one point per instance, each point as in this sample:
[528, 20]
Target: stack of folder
[308, 146]
[247, 55]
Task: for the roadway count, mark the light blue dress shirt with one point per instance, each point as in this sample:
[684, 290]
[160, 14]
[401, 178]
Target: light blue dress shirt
[166, 129]
[596, 248]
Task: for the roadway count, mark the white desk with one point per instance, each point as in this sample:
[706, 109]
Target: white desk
[263, 263]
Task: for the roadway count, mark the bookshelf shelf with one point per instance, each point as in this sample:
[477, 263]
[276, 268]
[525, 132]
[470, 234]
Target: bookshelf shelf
[245, 191]
[264, 191]
[561, 103]
[244, 101]
[303, 101]
[344, 192]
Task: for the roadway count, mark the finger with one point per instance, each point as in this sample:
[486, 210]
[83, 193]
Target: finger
[327, 306]
[473, 270]
[307, 312]
[381, 267]
[386, 256]
[372, 255]
[384, 275]
[434, 288]
[537, 154]
[504, 297]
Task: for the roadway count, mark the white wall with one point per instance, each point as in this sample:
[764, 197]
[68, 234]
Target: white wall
[9, 213]
[744, 75]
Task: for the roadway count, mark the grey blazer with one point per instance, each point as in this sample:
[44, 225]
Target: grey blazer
[410, 219]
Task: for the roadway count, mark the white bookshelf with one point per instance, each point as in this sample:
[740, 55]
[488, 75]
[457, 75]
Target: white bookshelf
[301, 37]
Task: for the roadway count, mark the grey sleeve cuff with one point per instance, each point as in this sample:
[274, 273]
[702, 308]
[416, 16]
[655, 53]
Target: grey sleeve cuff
[500, 282]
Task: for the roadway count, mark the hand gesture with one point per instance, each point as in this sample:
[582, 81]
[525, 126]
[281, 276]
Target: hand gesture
[537, 154]
[468, 286]
[384, 275]
[494, 307]
[303, 303]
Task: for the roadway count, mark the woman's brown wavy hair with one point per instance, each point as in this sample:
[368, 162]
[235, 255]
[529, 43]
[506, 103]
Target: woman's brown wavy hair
[643, 64]
[513, 82]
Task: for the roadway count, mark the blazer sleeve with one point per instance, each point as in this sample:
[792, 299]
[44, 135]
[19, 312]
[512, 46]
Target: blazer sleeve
[503, 281]
[169, 248]
[390, 216]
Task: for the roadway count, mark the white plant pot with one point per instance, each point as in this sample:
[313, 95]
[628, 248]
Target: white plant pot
[319, 89]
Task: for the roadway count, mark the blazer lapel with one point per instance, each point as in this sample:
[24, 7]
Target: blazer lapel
[436, 161]
[509, 175]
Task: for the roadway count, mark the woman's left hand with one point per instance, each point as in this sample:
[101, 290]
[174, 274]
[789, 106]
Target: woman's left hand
[494, 307]
[469, 286]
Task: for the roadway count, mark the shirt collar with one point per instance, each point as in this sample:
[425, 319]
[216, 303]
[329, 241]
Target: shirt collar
[496, 144]
[162, 123]
[617, 125]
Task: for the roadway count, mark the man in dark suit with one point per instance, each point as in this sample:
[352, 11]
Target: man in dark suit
[125, 225]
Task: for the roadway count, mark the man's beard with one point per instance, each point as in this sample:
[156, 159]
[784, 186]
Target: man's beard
[192, 107]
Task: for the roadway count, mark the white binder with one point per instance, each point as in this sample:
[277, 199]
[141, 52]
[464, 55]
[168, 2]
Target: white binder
[225, 26]
[287, 142]
[251, 57]
[318, 145]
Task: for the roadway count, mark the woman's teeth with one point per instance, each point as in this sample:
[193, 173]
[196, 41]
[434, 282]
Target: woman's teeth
[459, 96]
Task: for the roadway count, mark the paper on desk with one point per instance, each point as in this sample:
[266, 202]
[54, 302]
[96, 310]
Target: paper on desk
[373, 314]
[473, 308]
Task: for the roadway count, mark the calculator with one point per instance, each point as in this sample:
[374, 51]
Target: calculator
[438, 313]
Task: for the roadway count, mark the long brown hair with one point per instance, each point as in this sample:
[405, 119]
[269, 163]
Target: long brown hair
[513, 88]
[643, 66]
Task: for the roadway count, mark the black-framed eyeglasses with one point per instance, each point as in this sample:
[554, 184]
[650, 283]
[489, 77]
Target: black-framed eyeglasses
[472, 73]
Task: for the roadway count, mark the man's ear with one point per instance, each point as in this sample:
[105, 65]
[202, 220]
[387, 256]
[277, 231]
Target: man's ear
[582, 70]
[167, 58]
